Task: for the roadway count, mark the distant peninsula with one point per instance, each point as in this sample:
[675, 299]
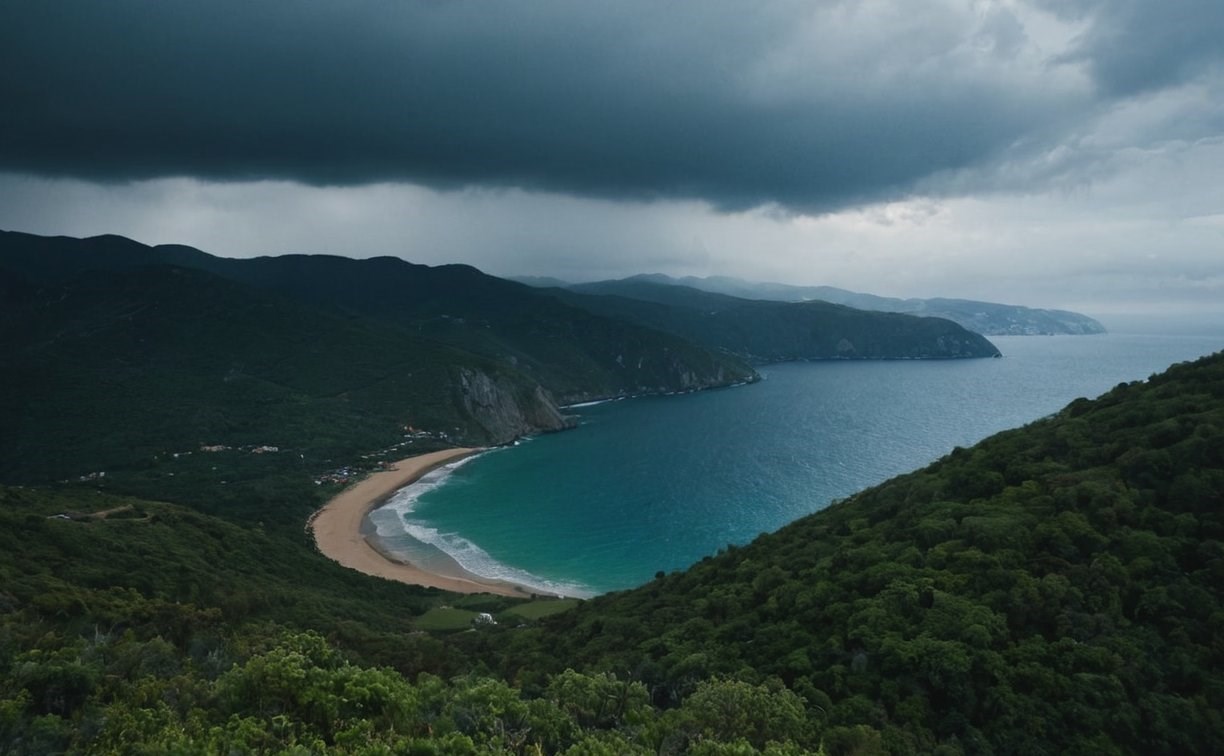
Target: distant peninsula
[986, 318]
[766, 331]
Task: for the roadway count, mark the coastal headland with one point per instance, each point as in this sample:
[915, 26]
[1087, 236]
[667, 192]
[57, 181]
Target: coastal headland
[337, 529]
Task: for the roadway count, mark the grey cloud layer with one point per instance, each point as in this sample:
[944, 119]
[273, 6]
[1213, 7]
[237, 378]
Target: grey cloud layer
[810, 106]
[1135, 46]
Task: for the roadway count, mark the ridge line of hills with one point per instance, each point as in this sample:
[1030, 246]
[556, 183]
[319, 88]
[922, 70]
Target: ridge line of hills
[986, 318]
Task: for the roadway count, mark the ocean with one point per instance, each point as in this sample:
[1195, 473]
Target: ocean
[656, 483]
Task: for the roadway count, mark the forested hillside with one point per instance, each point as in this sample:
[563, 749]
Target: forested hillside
[227, 384]
[572, 353]
[121, 370]
[987, 318]
[1054, 589]
[766, 331]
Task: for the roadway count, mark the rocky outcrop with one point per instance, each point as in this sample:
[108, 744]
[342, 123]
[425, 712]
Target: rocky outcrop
[667, 373]
[502, 408]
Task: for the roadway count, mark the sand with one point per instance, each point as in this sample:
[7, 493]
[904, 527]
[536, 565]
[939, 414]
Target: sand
[337, 529]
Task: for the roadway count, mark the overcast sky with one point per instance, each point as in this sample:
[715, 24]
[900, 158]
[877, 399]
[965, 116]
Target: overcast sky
[1065, 153]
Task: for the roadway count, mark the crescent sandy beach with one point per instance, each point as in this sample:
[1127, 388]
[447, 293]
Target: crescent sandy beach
[338, 532]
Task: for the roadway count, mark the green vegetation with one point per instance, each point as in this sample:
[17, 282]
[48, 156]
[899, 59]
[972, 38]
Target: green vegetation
[161, 569]
[123, 369]
[571, 352]
[1054, 589]
[160, 630]
[446, 618]
[540, 609]
[294, 693]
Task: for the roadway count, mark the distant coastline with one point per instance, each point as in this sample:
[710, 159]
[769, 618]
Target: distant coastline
[339, 535]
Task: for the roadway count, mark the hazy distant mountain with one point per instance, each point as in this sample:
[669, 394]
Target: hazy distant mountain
[986, 318]
[770, 331]
[540, 282]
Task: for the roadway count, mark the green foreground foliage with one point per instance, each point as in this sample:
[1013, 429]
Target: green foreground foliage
[1055, 589]
[294, 693]
[140, 627]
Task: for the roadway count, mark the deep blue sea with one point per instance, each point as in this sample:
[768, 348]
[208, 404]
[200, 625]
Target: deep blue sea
[657, 483]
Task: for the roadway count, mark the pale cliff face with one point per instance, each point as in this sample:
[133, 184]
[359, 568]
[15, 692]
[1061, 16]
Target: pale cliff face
[504, 410]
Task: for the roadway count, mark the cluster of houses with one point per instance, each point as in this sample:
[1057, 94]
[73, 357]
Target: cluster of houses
[411, 435]
[347, 473]
[339, 475]
[213, 448]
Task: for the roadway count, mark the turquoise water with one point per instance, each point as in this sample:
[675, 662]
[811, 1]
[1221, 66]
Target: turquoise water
[657, 483]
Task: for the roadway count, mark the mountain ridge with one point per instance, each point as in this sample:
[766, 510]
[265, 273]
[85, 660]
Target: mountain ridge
[986, 318]
[574, 354]
[763, 331]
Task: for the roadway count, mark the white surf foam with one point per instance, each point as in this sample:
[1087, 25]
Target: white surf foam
[477, 561]
[394, 518]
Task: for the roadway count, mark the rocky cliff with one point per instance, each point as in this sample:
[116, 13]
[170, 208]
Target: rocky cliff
[501, 409]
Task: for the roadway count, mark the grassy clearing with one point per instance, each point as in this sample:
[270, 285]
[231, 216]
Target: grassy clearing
[544, 608]
[445, 619]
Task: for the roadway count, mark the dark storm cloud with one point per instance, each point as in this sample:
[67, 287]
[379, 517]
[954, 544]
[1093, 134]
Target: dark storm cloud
[811, 106]
[1135, 46]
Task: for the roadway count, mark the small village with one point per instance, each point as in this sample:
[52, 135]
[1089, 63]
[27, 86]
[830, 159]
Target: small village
[379, 460]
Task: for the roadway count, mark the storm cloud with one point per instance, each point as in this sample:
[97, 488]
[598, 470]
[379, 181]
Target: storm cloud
[805, 106]
[1060, 153]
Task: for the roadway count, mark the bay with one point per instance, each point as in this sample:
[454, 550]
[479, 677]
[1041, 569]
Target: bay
[656, 483]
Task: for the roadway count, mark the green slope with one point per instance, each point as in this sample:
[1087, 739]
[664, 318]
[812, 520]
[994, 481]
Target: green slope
[157, 630]
[118, 370]
[765, 331]
[111, 625]
[1055, 589]
[577, 355]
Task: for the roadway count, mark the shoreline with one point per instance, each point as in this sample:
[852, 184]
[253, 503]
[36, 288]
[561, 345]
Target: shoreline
[339, 536]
